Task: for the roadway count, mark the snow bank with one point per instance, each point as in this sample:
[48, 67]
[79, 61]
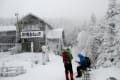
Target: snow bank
[105, 73]
[24, 59]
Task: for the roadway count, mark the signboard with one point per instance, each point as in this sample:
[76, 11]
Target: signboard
[31, 34]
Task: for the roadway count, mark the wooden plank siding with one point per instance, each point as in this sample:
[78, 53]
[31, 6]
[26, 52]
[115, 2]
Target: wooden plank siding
[7, 40]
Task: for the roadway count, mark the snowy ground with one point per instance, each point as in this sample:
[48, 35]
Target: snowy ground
[105, 73]
[54, 70]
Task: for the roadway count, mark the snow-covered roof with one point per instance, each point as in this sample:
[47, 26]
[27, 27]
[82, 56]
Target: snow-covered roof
[7, 28]
[55, 33]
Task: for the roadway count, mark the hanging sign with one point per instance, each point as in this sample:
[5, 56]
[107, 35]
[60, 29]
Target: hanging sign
[31, 34]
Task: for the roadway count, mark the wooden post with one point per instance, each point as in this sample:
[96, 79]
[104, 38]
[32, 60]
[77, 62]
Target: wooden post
[32, 48]
[47, 53]
[17, 33]
[59, 47]
[46, 35]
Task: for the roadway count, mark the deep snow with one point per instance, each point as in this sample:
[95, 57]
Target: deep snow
[53, 70]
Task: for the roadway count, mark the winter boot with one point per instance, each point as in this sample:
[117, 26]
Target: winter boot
[71, 76]
[79, 74]
[66, 75]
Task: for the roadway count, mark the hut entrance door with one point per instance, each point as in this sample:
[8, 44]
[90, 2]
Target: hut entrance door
[26, 47]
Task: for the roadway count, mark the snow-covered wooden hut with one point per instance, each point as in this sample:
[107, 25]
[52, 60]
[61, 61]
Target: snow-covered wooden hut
[7, 37]
[55, 40]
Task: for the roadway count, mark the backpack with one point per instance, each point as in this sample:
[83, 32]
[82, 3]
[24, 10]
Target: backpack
[88, 62]
[66, 58]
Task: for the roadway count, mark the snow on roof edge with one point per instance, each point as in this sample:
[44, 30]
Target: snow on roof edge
[7, 28]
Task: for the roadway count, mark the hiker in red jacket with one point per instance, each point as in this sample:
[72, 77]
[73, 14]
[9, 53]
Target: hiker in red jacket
[67, 57]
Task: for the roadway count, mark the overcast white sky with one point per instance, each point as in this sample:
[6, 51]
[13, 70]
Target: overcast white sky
[54, 8]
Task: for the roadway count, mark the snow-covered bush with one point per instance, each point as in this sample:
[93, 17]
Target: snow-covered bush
[111, 78]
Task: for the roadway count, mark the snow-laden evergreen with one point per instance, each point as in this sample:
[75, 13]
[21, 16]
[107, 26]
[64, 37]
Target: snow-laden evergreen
[109, 51]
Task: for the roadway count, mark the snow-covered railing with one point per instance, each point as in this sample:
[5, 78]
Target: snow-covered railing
[11, 71]
[7, 43]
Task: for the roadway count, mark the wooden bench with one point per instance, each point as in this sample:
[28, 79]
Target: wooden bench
[11, 71]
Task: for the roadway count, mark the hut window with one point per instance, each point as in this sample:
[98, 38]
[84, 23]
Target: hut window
[32, 27]
[26, 28]
[36, 27]
[4, 34]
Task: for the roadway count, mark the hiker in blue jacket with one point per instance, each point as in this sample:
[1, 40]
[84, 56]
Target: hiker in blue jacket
[82, 65]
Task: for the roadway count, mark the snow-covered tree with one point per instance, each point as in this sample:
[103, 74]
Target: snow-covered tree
[109, 52]
[113, 9]
[93, 20]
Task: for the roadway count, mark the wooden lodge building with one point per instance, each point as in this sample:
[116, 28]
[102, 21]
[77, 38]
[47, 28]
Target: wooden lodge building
[32, 34]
